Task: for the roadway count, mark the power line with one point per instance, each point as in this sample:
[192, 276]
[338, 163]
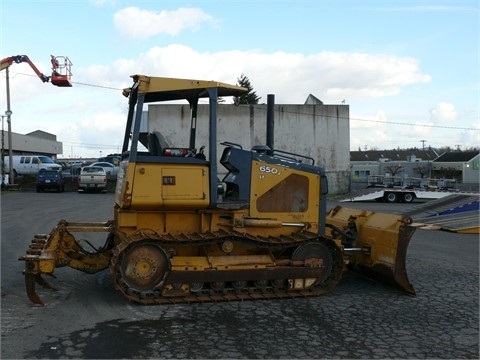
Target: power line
[410, 124]
[97, 86]
[308, 114]
[90, 146]
[384, 121]
[78, 83]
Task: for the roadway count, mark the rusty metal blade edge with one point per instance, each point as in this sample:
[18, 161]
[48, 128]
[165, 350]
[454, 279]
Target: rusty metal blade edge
[30, 280]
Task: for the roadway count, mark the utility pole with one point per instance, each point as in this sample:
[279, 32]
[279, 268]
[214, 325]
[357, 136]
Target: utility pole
[423, 144]
[8, 113]
[61, 75]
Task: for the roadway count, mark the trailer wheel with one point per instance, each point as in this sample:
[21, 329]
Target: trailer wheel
[391, 197]
[408, 197]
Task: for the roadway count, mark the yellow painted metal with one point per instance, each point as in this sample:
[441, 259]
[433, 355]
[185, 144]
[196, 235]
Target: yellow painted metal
[180, 89]
[163, 186]
[123, 189]
[236, 262]
[191, 263]
[62, 249]
[164, 222]
[191, 185]
[261, 223]
[285, 194]
[470, 230]
[241, 262]
[384, 240]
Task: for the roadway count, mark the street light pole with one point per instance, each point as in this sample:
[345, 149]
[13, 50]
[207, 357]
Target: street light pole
[11, 180]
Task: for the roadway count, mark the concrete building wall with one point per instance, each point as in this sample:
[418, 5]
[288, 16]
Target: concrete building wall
[318, 131]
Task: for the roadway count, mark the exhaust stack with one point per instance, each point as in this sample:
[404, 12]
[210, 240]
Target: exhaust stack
[270, 122]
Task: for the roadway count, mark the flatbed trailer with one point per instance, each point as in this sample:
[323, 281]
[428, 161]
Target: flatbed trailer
[393, 195]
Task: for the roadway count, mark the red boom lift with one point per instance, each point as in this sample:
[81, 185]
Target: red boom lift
[61, 69]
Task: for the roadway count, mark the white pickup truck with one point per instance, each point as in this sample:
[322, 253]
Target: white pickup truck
[92, 178]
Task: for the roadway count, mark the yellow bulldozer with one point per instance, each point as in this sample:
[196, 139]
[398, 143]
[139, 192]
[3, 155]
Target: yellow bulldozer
[179, 234]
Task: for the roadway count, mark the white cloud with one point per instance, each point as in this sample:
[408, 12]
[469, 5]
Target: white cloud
[291, 76]
[443, 112]
[93, 110]
[368, 131]
[141, 24]
[421, 129]
[368, 122]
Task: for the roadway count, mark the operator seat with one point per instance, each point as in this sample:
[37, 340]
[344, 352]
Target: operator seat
[156, 143]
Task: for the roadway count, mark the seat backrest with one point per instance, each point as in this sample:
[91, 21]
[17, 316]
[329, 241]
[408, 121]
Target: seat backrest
[153, 145]
[156, 143]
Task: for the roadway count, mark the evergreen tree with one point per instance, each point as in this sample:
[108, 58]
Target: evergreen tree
[249, 97]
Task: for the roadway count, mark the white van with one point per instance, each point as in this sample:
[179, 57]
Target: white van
[30, 164]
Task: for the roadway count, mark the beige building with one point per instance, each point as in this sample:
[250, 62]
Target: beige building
[464, 166]
[36, 142]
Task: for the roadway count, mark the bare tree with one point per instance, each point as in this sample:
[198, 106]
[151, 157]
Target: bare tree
[394, 169]
[422, 170]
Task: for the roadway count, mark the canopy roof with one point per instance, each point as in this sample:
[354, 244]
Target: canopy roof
[166, 89]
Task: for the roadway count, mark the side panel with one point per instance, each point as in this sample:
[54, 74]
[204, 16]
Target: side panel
[176, 221]
[181, 183]
[285, 194]
[159, 185]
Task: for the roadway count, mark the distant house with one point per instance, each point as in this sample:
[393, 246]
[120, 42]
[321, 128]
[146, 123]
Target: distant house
[464, 166]
[414, 163]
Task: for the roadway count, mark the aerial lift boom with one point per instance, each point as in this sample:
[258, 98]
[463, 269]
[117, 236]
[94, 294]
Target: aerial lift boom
[61, 69]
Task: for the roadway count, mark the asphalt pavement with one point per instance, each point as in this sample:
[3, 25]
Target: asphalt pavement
[361, 319]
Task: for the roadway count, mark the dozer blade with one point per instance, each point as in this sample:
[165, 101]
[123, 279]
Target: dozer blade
[380, 244]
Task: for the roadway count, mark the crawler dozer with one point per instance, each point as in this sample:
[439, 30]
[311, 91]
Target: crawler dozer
[179, 234]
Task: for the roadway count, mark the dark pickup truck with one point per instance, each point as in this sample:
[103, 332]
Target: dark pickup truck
[50, 179]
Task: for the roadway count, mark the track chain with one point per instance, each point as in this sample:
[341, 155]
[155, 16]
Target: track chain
[228, 293]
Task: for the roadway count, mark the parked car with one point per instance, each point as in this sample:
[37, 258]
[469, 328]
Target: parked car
[110, 169]
[50, 179]
[113, 159]
[92, 178]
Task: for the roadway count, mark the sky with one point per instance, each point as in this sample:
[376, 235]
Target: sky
[409, 70]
